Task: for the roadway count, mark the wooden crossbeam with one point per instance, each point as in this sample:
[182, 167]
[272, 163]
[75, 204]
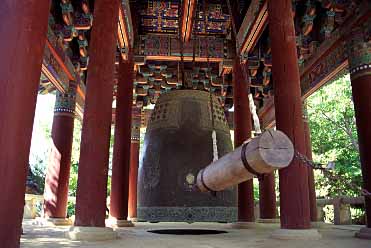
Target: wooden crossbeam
[178, 58]
[125, 30]
[59, 70]
[252, 26]
[188, 10]
[325, 65]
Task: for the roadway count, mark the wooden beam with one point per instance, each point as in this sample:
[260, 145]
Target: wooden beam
[52, 78]
[55, 68]
[178, 58]
[270, 151]
[81, 92]
[267, 113]
[188, 10]
[125, 30]
[58, 68]
[60, 61]
[252, 26]
[325, 65]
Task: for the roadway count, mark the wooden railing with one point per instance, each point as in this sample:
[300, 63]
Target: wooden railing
[35, 203]
[342, 205]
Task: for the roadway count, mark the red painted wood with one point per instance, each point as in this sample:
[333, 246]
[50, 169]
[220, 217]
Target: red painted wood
[22, 23]
[242, 132]
[361, 88]
[133, 179]
[267, 197]
[246, 202]
[95, 138]
[58, 174]
[121, 149]
[311, 184]
[294, 192]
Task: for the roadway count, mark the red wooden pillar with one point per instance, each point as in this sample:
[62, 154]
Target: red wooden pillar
[359, 47]
[21, 23]
[308, 153]
[134, 162]
[58, 173]
[294, 200]
[121, 149]
[267, 197]
[242, 132]
[96, 130]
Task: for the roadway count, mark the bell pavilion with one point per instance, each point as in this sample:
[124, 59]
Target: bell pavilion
[189, 71]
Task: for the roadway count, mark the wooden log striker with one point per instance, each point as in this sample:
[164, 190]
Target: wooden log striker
[263, 154]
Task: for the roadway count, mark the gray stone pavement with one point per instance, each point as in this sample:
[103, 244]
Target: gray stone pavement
[38, 235]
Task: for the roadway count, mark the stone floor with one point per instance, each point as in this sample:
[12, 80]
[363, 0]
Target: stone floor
[42, 236]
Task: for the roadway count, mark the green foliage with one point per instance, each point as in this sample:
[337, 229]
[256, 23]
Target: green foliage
[75, 160]
[70, 209]
[40, 145]
[76, 142]
[73, 180]
[38, 177]
[75, 165]
[334, 137]
[256, 189]
[142, 134]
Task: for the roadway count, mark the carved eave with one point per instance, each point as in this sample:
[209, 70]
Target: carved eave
[225, 67]
[185, 58]
[330, 58]
[252, 27]
[80, 99]
[327, 63]
[170, 48]
[59, 70]
[56, 66]
[188, 10]
[125, 29]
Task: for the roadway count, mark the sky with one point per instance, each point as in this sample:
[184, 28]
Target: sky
[41, 141]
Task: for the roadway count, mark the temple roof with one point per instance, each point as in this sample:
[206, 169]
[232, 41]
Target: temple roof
[192, 44]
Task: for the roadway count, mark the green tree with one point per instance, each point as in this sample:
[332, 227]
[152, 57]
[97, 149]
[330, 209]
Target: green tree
[334, 138]
[75, 164]
[40, 145]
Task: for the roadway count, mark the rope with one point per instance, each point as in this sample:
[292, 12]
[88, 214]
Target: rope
[194, 38]
[213, 134]
[245, 74]
[254, 114]
[182, 61]
[182, 54]
[194, 53]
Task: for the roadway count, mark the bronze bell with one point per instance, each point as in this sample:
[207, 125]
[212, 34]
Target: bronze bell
[178, 143]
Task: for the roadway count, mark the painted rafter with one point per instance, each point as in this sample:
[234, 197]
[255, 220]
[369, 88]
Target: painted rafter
[185, 58]
[125, 29]
[59, 70]
[327, 64]
[252, 27]
[188, 10]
